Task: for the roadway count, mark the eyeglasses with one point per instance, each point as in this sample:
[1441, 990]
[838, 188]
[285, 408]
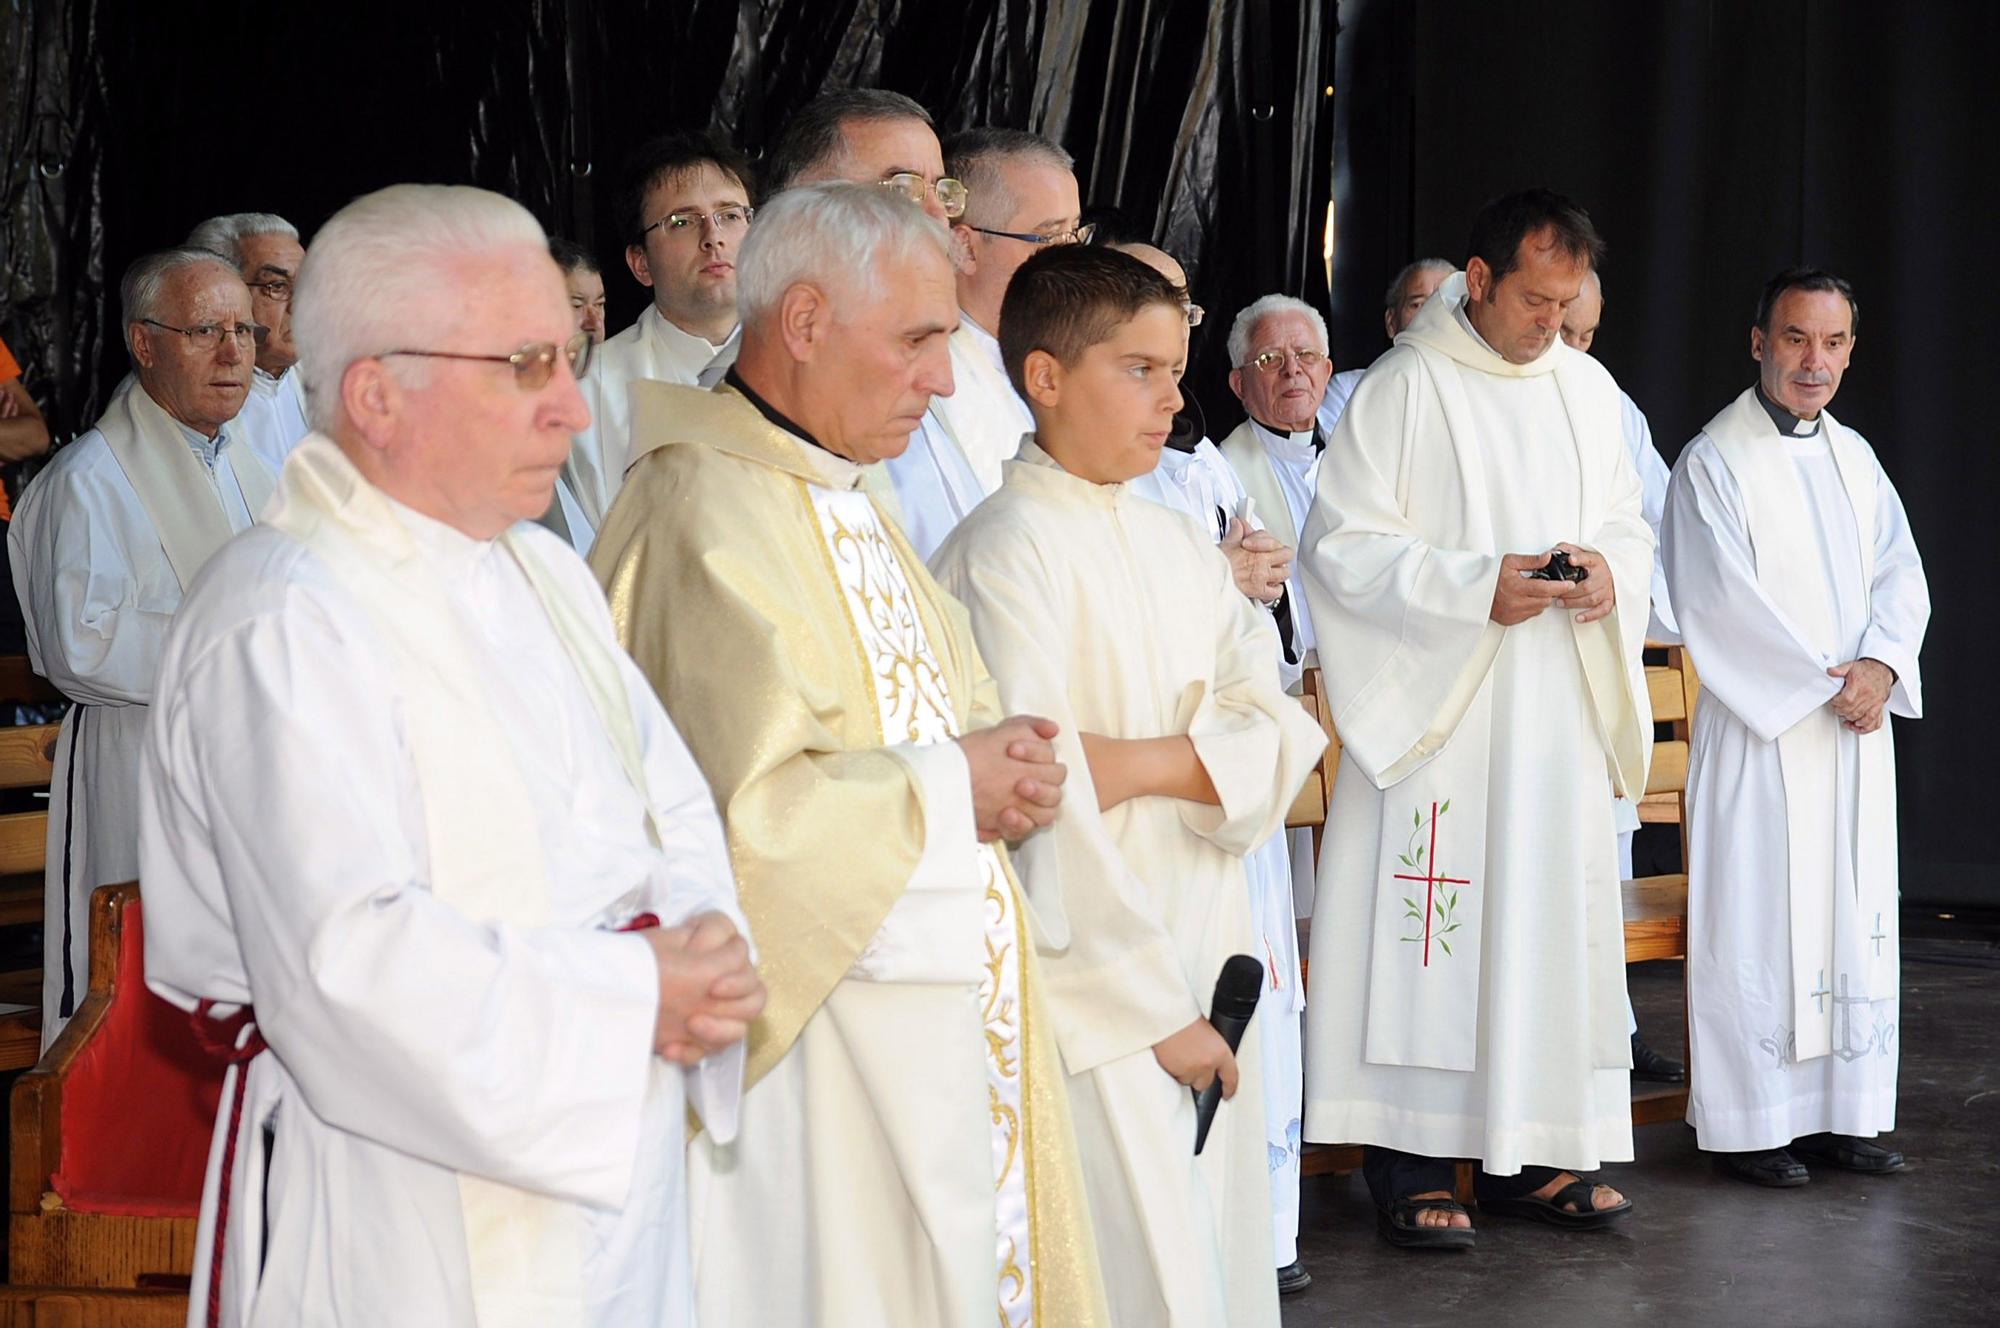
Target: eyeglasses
[1271, 361]
[1193, 312]
[1081, 235]
[951, 194]
[534, 364]
[277, 288]
[207, 336]
[727, 221]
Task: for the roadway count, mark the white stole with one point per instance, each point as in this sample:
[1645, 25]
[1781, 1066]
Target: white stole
[1425, 954]
[524, 1251]
[1251, 461]
[1790, 574]
[177, 491]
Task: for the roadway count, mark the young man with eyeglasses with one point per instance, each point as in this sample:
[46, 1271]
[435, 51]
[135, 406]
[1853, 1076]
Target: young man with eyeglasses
[266, 251]
[685, 208]
[108, 537]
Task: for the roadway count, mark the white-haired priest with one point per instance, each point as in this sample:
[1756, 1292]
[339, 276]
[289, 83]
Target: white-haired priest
[419, 842]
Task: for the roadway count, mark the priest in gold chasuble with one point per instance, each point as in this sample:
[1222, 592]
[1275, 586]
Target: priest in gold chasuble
[905, 1155]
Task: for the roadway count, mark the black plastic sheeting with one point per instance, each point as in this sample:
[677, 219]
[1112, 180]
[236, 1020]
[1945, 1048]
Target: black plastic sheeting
[1207, 122]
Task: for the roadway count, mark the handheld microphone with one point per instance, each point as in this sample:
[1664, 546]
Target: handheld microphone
[1237, 988]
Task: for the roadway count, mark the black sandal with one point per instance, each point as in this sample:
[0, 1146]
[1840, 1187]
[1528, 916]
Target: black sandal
[1398, 1225]
[1551, 1210]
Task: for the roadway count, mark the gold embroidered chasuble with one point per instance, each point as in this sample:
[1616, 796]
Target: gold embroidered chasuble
[818, 675]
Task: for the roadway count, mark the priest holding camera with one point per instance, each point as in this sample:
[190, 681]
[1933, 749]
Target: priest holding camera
[1477, 566]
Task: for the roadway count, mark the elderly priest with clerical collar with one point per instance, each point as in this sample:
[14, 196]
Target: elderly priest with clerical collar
[906, 1157]
[420, 844]
[1467, 946]
[1804, 604]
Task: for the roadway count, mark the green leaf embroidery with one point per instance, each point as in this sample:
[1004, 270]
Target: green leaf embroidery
[1416, 816]
[1447, 807]
[1446, 944]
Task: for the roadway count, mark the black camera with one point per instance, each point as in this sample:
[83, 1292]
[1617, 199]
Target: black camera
[1558, 568]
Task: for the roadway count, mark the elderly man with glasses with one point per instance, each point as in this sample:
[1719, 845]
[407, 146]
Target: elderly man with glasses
[266, 251]
[685, 208]
[1278, 348]
[108, 538]
[419, 842]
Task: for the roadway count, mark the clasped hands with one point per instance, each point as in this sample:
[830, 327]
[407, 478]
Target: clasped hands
[1256, 558]
[1517, 598]
[1864, 693]
[709, 990]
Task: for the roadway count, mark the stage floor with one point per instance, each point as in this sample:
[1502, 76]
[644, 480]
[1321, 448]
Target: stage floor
[1700, 1248]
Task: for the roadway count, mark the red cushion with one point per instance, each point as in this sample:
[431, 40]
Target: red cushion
[139, 1104]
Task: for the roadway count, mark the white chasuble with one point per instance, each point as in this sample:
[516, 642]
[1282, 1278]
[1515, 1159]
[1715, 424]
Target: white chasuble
[1794, 554]
[104, 544]
[1109, 614]
[1468, 958]
[913, 705]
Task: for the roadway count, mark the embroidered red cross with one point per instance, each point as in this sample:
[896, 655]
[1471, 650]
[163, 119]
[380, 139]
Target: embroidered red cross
[1432, 881]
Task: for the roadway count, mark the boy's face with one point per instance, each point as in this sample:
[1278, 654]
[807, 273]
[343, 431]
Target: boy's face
[1106, 417]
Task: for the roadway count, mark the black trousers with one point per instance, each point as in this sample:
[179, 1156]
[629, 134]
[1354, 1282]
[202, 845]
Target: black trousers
[1391, 1175]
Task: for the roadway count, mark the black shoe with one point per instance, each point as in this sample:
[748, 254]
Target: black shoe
[1651, 1065]
[1771, 1166]
[1849, 1153]
[1293, 1278]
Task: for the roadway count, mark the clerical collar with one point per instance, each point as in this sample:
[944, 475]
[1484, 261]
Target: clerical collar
[1303, 439]
[1787, 423]
[777, 418]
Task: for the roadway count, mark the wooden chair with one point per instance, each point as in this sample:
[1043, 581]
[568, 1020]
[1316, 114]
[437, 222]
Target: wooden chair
[1656, 906]
[27, 755]
[72, 1307]
[110, 1138]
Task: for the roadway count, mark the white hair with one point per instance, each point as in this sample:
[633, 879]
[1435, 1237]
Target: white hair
[225, 234]
[831, 234]
[1260, 309]
[378, 263]
[139, 290]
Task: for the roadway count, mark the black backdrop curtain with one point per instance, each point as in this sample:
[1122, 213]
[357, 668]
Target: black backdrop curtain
[1206, 122]
[1716, 143]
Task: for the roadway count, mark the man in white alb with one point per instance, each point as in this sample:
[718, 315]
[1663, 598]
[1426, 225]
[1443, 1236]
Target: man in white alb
[685, 207]
[266, 251]
[108, 538]
[419, 842]
[1467, 946]
[1804, 603]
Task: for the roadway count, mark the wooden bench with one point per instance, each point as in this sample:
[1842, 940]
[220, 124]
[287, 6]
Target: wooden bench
[1656, 906]
[27, 758]
[110, 1137]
